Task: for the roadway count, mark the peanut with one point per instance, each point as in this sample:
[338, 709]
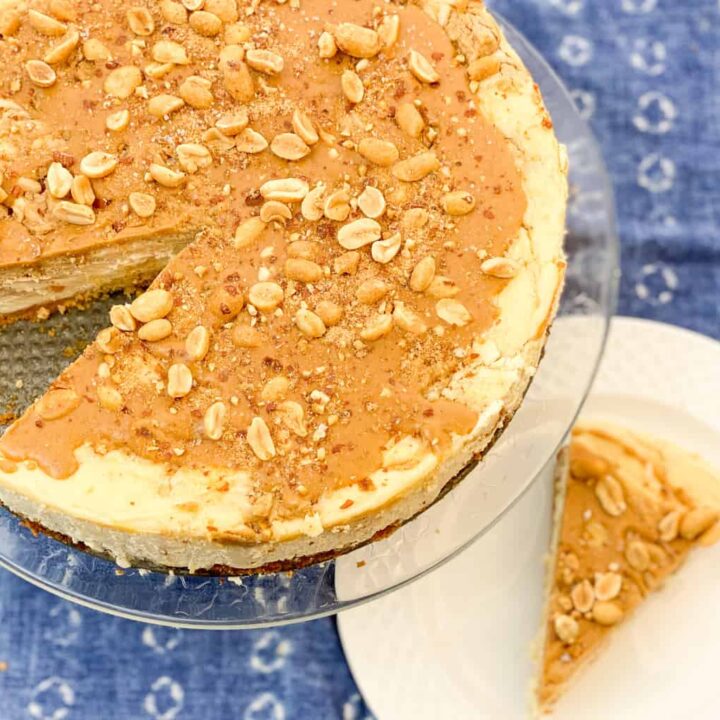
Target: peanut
[40, 73]
[205, 23]
[214, 420]
[372, 202]
[248, 232]
[168, 51]
[287, 190]
[423, 274]
[197, 343]
[59, 180]
[453, 312]
[379, 152]
[289, 146]
[337, 206]
[164, 105]
[265, 61]
[483, 68]
[117, 121]
[152, 305]
[371, 291]
[329, 312]
[64, 49]
[359, 233]
[155, 330]
[45, 24]
[422, 68]
[196, 92]
[250, 141]
[236, 75]
[140, 21]
[304, 128]
[377, 327]
[303, 270]
[357, 41]
[458, 203]
[74, 213]
[142, 204]
[408, 320]
[122, 319]
[57, 403]
[179, 381]
[409, 120]
[696, 522]
[352, 86]
[417, 167]
[82, 191]
[266, 296]
[607, 613]
[383, 251]
[327, 48]
[94, 51]
[309, 323]
[260, 440]
[122, 81]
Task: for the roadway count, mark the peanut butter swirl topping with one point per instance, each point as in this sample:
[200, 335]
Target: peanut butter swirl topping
[350, 206]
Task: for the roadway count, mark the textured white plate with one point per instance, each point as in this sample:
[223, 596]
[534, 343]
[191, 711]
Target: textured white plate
[456, 644]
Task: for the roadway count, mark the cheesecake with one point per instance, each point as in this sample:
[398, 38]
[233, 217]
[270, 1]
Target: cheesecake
[354, 216]
[629, 511]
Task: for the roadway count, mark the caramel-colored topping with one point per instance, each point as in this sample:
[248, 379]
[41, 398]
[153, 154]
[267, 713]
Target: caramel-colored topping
[621, 536]
[345, 188]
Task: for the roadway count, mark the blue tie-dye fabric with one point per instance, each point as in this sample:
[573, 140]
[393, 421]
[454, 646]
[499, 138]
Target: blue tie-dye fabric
[646, 73]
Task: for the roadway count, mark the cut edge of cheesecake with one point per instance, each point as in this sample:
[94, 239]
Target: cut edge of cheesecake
[661, 518]
[33, 291]
[493, 384]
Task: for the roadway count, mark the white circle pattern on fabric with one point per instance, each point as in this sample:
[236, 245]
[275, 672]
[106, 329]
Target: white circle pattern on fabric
[165, 699]
[569, 7]
[161, 640]
[575, 50]
[270, 653]
[657, 284]
[656, 173]
[648, 56]
[584, 102]
[638, 7]
[656, 113]
[65, 628]
[51, 700]
[265, 707]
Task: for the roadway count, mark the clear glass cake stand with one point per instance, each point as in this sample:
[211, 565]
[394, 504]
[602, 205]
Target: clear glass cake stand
[29, 359]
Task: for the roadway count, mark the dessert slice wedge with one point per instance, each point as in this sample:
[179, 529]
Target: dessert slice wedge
[629, 510]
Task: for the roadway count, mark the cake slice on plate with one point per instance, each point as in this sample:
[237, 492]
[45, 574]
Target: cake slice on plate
[629, 511]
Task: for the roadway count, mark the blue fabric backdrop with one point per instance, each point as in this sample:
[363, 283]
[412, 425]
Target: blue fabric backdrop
[646, 73]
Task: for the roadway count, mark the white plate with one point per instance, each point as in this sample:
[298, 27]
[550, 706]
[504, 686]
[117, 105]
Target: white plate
[457, 644]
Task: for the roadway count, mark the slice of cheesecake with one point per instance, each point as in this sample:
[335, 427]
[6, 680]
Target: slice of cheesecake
[629, 511]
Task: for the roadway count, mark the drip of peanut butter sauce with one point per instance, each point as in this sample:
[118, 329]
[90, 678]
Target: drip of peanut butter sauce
[376, 393]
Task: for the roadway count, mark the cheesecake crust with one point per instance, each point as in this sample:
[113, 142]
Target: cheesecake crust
[378, 202]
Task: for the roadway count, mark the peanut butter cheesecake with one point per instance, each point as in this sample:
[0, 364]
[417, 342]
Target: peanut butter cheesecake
[371, 199]
[630, 510]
